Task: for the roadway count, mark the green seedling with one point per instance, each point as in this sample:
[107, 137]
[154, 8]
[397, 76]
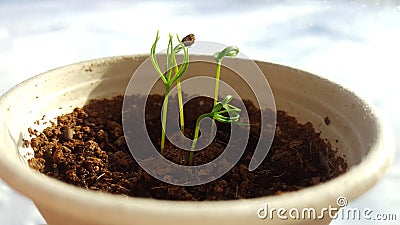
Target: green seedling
[168, 78]
[175, 72]
[217, 113]
[230, 51]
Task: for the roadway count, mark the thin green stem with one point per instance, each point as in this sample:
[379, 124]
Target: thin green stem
[216, 90]
[196, 137]
[164, 119]
[181, 116]
[177, 49]
[216, 114]
[180, 101]
[170, 53]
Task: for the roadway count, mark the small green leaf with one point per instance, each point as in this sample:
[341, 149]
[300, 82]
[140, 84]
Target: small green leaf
[230, 51]
[216, 113]
[154, 59]
[185, 64]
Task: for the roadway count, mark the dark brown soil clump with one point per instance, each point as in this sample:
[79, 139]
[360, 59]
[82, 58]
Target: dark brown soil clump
[87, 148]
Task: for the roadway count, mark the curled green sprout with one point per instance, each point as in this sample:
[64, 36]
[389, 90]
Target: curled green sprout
[168, 79]
[217, 113]
[230, 51]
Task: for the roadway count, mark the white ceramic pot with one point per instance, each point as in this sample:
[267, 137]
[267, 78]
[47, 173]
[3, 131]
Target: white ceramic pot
[368, 147]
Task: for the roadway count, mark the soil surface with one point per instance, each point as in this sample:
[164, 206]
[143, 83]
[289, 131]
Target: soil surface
[87, 148]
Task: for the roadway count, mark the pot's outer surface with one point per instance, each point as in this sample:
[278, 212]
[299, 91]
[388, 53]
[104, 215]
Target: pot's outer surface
[360, 135]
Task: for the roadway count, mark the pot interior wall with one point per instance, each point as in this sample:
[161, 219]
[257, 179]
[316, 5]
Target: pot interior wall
[337, 113]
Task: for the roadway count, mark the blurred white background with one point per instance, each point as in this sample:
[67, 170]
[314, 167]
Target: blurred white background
[354, 43]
